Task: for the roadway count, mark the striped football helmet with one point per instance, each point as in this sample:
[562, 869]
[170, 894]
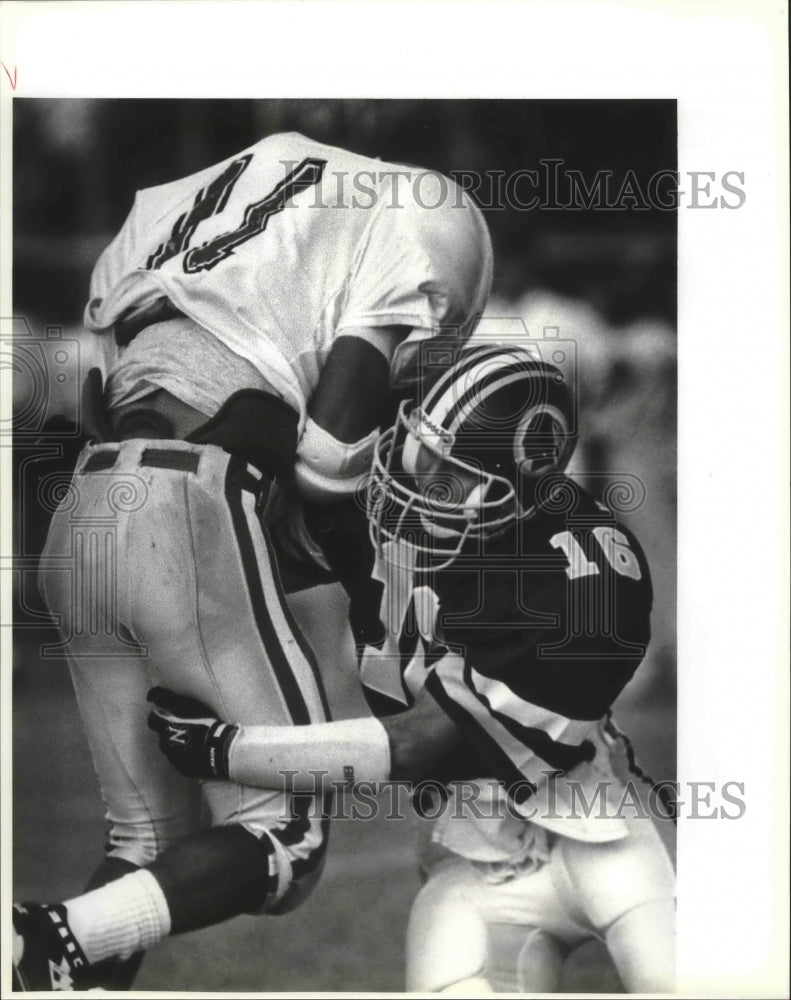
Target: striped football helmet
[465, 464]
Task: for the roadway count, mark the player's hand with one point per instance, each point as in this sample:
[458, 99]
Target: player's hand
[192, 738]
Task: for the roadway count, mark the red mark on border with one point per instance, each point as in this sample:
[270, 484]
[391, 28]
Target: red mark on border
[12, 82]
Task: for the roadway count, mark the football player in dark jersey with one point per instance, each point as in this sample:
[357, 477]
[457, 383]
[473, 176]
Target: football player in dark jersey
[498, 615]
[508, 611]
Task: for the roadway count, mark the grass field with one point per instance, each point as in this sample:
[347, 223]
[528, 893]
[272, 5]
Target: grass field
[348, 936]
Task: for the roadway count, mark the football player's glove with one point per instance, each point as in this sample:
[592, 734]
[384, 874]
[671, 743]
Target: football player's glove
[192, 738]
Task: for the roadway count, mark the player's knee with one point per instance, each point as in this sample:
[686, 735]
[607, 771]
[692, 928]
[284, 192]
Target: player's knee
[214, 874]
[294, 887]
[290, 834]
[642, 944]
[295, 857]
[540, 961]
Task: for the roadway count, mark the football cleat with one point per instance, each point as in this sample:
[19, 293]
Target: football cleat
[46, 953]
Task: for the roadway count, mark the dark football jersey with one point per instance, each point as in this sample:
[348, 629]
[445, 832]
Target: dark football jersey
[525, 640]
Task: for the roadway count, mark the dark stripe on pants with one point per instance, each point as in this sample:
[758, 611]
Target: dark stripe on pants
[302, 642]
[271, 642]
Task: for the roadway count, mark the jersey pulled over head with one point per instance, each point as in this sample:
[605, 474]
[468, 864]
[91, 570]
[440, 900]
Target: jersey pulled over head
[466, 463]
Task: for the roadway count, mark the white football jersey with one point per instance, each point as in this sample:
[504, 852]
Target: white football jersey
[279, 249]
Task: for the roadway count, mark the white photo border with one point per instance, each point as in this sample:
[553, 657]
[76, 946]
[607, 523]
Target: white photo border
[726, 64]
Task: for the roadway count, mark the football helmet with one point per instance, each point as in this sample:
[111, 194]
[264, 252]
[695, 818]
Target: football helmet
[465, 464]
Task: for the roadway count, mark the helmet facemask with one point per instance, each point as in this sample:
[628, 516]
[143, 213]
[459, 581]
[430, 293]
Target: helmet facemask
[466, 464]
[422, 495]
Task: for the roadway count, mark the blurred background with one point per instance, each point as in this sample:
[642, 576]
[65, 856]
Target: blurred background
[605, 277]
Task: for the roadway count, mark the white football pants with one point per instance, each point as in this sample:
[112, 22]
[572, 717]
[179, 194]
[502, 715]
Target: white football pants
[159, 571]
[622, 892]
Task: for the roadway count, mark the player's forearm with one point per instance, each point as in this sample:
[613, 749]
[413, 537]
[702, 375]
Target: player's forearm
[303, 758]
[300, 757]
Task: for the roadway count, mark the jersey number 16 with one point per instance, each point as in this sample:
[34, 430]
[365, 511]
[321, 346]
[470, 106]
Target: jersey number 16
[614, 544]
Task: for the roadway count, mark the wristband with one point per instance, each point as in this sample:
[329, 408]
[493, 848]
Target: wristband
[218, 744]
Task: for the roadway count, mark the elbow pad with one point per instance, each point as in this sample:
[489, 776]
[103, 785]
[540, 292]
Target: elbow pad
[328, 469]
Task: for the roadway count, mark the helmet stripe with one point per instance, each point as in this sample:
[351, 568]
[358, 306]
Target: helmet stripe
[468, 373]
[446, 410]
[470, 357]
[477, 397]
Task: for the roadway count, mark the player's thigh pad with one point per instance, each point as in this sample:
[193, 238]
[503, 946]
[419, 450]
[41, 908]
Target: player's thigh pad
[83, 580]
[446, 936]
[606, 880]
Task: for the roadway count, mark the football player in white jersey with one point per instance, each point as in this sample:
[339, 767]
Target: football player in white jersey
[261, 312]
[508, 612]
